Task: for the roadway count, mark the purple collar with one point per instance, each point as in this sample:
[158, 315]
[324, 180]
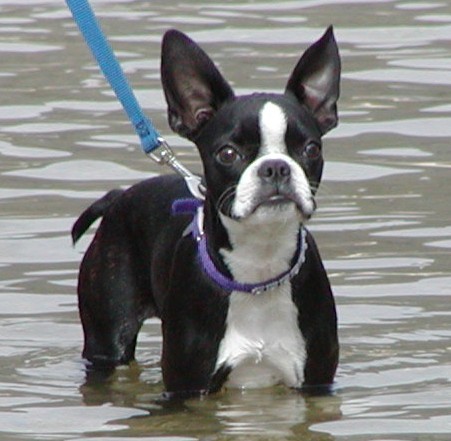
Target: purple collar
[195, 207]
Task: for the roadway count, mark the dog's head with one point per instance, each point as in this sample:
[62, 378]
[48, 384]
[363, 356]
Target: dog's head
[262, 153]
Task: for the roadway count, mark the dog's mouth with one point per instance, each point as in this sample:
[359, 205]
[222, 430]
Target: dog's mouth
[272, 201]
[278, 202]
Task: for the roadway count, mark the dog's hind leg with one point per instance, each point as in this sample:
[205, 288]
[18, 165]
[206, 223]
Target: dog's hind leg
[114, 298]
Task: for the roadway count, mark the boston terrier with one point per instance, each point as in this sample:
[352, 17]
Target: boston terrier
[236, 279]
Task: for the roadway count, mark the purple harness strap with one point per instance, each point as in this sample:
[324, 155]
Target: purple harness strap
[195, 208]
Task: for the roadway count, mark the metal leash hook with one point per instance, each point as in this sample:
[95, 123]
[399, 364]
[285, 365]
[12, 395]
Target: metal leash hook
[164, 155]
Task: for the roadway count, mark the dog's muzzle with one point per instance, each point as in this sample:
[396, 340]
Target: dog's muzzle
[274, 182]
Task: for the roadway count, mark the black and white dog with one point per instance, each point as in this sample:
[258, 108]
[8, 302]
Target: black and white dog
[237, 280]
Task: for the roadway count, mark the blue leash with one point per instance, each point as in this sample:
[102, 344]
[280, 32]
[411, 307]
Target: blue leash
[152, 143]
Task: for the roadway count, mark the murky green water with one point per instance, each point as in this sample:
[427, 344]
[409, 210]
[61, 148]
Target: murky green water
[383, 226]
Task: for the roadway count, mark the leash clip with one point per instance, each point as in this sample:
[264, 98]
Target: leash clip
[164, 155]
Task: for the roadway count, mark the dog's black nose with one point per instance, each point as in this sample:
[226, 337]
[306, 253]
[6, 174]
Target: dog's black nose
[275, 171]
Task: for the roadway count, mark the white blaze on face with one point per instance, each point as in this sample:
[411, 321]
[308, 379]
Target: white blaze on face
[273, 126]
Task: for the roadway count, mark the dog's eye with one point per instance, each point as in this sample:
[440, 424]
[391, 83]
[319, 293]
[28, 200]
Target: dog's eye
[312, 151]
[227, 155]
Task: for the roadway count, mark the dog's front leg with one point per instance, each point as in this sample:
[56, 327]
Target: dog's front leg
[188, 360]
[318, 323]
[189, 356]
[193, 324]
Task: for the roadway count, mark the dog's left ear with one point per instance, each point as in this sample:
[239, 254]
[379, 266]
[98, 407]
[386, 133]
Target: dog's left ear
[315, 80]
[193, 86]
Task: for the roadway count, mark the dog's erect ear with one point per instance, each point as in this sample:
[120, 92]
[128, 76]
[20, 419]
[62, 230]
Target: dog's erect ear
[315, 80]
[193, 86]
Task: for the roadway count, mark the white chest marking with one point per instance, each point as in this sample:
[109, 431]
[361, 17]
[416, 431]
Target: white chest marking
[263, 344]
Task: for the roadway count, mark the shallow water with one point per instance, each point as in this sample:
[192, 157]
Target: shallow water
[383, 224]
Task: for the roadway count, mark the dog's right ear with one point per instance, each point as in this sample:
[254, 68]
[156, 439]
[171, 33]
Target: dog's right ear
[194, 88]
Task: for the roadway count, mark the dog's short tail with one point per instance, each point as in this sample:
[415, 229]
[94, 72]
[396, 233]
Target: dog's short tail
[92, 213]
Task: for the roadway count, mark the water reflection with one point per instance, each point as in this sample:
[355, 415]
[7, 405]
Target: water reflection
[77, 420]
[268, 414]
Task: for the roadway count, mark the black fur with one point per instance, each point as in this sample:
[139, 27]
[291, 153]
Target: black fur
[140, 264]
